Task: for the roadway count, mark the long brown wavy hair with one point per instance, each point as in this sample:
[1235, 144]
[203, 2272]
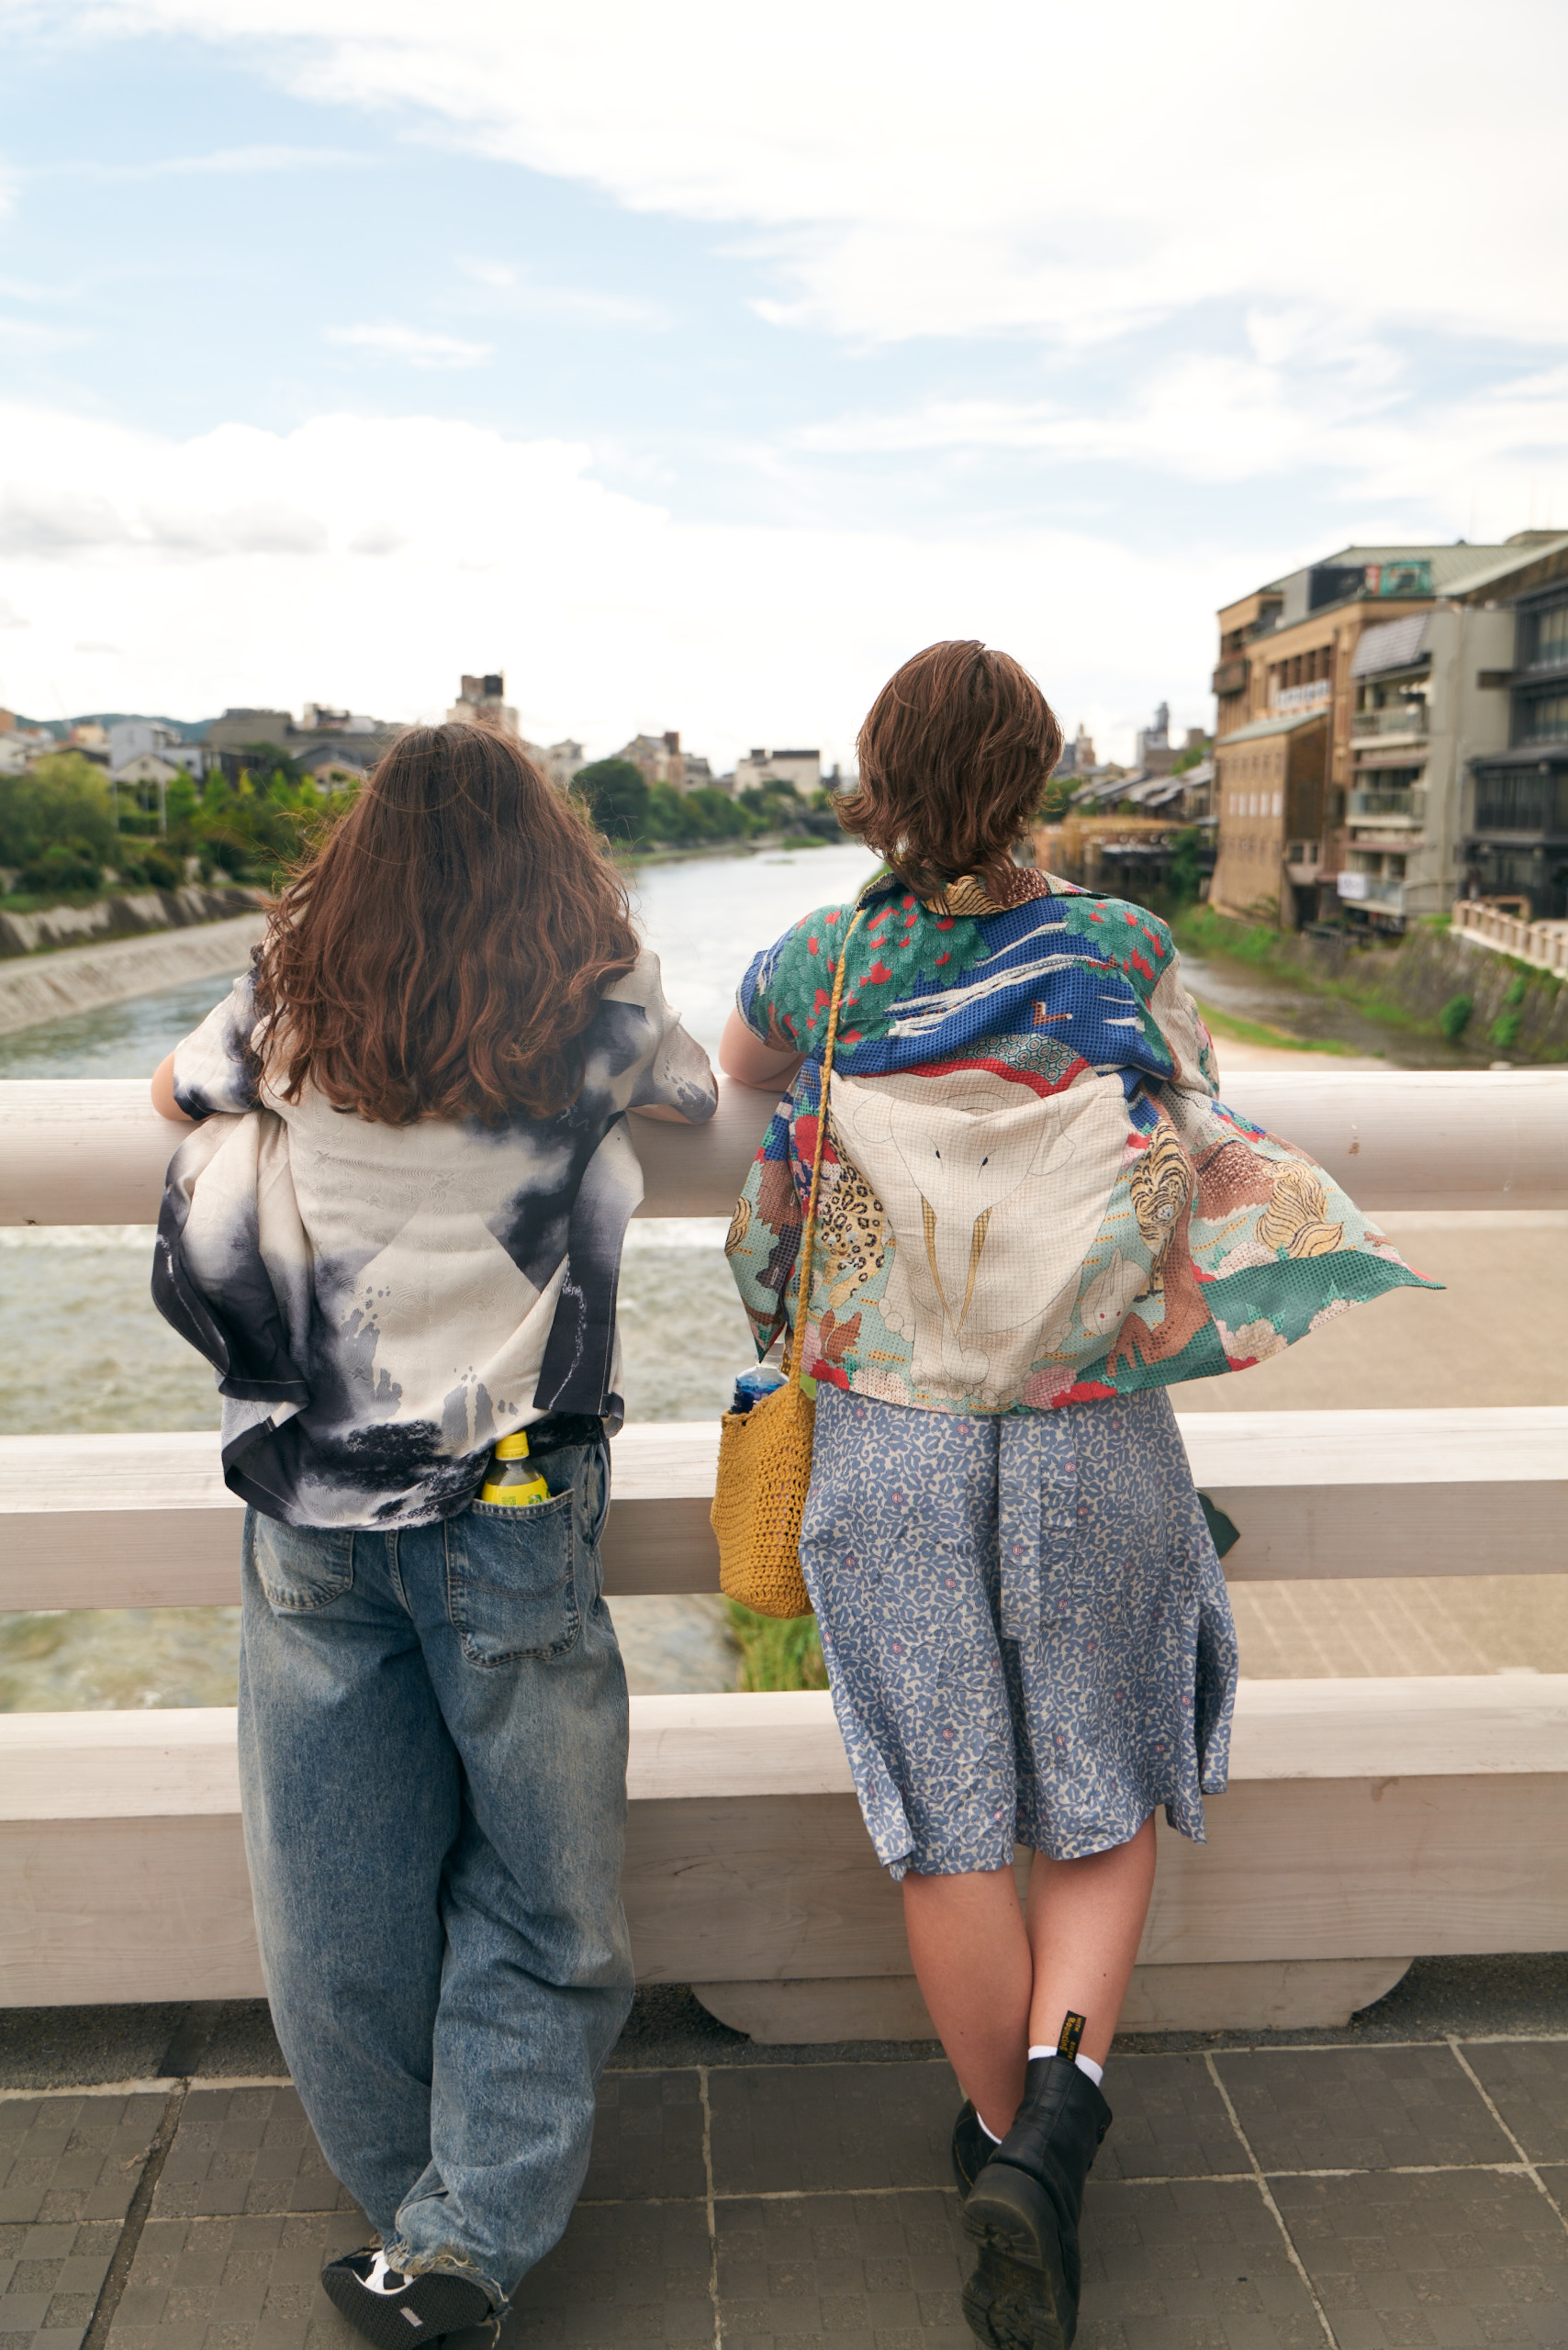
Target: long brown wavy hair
[955, 756]
[442, 953]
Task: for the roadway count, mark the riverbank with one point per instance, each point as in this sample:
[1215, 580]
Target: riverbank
[35, 988]
[1471, 1003]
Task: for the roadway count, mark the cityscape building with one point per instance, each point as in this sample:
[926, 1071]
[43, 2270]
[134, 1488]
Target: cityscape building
[1399, 654]
[802, 770]
[481, 701]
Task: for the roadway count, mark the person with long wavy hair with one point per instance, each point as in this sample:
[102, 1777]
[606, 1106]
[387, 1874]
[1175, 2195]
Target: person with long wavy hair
[394, 1231]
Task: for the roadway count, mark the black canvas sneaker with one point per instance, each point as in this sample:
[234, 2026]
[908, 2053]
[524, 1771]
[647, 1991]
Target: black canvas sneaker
[395, 2311]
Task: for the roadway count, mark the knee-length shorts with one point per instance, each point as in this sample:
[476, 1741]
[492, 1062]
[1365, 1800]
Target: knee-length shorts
[1027, 1628]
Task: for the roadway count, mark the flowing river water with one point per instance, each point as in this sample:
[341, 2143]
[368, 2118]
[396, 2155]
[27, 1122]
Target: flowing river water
[83, 1348]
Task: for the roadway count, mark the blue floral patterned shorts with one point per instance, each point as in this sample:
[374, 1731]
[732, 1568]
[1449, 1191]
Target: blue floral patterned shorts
[1026, 1628]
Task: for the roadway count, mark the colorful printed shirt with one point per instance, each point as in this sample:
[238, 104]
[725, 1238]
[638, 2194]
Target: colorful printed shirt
[382, 1303]
[1030, 1196]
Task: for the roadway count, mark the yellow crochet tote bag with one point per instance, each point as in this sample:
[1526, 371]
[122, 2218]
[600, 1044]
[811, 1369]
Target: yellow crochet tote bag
[765, 1455]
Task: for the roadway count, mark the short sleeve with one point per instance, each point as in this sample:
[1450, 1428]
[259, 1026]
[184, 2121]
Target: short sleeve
[675, 1074]
[216, 1068]
[790, 983]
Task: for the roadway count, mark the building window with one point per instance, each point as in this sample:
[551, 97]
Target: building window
[1549, 639]
[1520, 803]
[1544, 719]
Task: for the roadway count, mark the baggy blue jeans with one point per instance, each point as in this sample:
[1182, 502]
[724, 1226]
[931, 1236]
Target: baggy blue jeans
[432, 1759]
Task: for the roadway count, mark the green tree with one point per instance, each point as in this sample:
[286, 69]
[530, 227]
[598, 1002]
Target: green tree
[617, 796]
[267, 760]
[1186, 872]
[63, 798]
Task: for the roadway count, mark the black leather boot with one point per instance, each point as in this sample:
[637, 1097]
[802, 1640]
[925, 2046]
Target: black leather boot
[972, 2147]
[1023, 2210]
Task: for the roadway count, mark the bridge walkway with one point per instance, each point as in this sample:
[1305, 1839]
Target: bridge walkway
[1402, 2180]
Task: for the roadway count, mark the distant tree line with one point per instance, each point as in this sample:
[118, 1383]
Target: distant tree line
[633, 813]
[65, 830]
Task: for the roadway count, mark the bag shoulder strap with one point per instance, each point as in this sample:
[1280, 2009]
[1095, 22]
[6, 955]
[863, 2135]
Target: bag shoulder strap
[809, 1234]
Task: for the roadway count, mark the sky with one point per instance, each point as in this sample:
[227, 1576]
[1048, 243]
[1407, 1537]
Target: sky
[696, 365]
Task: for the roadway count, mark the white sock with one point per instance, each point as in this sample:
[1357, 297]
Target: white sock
[990, 2133]
[1084, 2064]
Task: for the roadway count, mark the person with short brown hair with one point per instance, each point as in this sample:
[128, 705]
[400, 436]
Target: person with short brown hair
[395, 1230]
[1034, 1218]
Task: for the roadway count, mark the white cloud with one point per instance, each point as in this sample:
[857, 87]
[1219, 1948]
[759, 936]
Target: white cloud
[412, 344]
[525, 294]
[96, 644]
[1054, 168]
[10, 617]
[610, 616]
[228, 162]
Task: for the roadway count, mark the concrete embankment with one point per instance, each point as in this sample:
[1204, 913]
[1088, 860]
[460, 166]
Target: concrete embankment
[79, 979]
[1514, 1009]
[133, 913]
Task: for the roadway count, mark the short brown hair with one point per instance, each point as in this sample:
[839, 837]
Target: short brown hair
[954, 755]
[443, 952]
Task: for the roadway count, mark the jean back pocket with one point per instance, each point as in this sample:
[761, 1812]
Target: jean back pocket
[298, 1567]
[511, 1583]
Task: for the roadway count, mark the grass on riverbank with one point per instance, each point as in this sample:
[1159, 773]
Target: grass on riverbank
[1257, 1031]
[777, 1653]
[1278, 953]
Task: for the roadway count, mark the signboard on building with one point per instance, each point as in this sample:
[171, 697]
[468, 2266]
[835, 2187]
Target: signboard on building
[1409, 578]
[1289, 698]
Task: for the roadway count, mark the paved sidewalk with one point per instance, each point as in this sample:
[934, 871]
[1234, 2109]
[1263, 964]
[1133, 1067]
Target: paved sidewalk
[1349, 2189]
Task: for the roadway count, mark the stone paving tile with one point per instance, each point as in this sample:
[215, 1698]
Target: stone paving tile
[1171, 2122]
[1197, 2266]
[73, 2158]
[1359, 2109]
[624, 2276]
[248, 2151]
[843, 2272]
[49, 2278]
[816, 2129]
[236, 2284]
[1528, 2082]
[648, 2137]
[1449, 2258]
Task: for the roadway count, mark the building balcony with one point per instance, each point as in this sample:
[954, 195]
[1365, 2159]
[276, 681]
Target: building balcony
[1405, 810]
[1370, 890]
[1405, 723]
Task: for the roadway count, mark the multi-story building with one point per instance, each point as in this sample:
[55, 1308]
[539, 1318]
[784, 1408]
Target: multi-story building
[228, 737]
[557, 762]
[1268, 801]
[802, 771]
[1397, 725]
[1515, 837]
[481, 701]
[130, 740]
[659, 756]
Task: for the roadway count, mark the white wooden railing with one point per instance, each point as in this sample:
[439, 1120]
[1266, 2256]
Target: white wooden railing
[1368, 1820]
[1544, 944]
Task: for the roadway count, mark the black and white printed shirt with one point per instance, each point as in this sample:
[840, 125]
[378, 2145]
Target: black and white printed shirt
[382, 1303]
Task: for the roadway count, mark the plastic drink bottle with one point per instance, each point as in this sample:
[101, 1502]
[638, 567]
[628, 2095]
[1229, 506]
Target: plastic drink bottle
[751, 1386]
[512, 1477]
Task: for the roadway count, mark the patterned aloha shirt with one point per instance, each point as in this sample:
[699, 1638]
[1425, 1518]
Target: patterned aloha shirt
[1030, 1196]
[382, 1303]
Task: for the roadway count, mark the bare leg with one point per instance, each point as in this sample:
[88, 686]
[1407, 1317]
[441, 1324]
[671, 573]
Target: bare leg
[1085, 1919]
[996, 1988]
[971, 1958]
